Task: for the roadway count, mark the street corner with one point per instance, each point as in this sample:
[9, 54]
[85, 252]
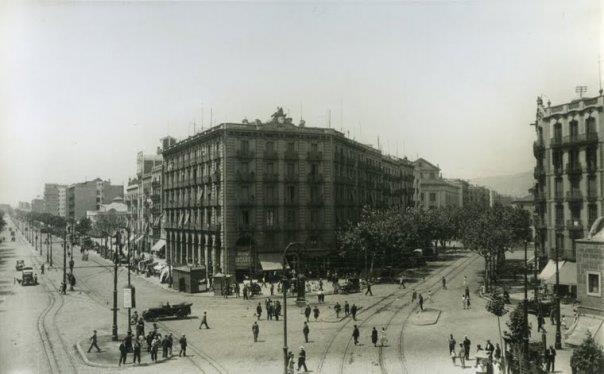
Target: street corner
[109, 354]
[426, 317]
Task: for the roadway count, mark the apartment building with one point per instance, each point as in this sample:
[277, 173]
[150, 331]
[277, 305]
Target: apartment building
[568, 172]
[88, 196]
[52, 198]
[433, 191]
[38, 206]
[235, 195]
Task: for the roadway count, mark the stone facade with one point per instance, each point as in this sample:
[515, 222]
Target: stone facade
[432, 191]
[590, 267]
[239, 189]
[568, 173]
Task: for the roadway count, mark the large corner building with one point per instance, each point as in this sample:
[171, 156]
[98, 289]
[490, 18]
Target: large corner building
[238, 193]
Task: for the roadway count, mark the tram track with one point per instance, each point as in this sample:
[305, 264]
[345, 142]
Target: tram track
[378, 307]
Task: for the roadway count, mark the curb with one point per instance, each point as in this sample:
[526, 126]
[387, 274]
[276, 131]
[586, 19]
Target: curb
[96, 364]
[434, 322]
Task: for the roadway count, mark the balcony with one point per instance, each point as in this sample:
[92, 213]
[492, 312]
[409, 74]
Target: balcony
[271, 177]
[574, 169]
[155, 184]
[539, 197]
[539, 173]
[246, 200]
[247, 227]
[592, 195]
[290, 178]
[291, 202]
[591, 168]
[214, 227]
[291, 155]
[574, 196]
[271, 155]
[558, 170]
[245, 176]
[314, 178]
[244, 154]
[216, 176]
[316, 201]
[574, 225]
[314, 156]
[574, 140]
[560, 224]
[558, 196]
[272, 228]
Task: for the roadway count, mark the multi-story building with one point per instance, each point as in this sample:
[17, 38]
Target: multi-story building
[568, 174]
[24, 205]
[38, 206]
[143, 197]
[235, 195]
[62, 200]
[433, 191]
[52, 198]
[470, 194]
[89, 195]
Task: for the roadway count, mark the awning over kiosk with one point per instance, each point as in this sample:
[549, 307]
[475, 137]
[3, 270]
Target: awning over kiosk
[158, 246]
[550, 269]
[568, 274]
[271, 261]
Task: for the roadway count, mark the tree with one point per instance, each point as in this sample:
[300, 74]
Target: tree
[496, 306]
[84, 226]
[2, 221]
[588, 357]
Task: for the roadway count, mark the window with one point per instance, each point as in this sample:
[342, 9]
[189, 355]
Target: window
[269, 168]
[291, 146]
[559, 214]
[590, 125]
[593, 283]
[291, 169]
[558, 131]
[314, 169]
[421, 196]
[270, 217]
[245, 217]
[314, 147]
[574, 129]
[245, 145]
[291, 193]
[270, 146]
[432, 196]
[291, 216]
[592, 214]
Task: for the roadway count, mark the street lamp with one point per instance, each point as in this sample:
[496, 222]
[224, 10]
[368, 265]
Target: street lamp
[558, 332]
[285, 286]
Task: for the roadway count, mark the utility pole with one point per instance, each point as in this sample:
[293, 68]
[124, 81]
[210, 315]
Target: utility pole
[526, 331]
[114, 336]
[64, 285]
[558, 332]
[129, 309]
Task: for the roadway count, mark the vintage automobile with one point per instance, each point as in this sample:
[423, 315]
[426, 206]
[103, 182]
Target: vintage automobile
[19, 265]
[352, 285]
[27, 277]
[166, 310]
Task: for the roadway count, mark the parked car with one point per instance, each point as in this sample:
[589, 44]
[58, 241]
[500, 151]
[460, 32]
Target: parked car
[27, 277]
[178, 310]
[20, 265]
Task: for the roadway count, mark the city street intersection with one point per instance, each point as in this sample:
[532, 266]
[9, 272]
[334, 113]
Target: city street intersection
[50, 332]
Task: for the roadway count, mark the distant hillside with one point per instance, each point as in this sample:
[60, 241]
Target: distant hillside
[516, 185]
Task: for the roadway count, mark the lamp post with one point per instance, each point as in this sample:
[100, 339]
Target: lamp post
[64, 284]
[525, 347]
[558, 332]
[285, 286]
[114, 336]
[129, 309]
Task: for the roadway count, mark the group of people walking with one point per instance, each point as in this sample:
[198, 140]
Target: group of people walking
[273, 309]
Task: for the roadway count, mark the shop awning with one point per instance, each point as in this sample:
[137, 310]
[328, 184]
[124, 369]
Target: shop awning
[158, 246]
[568, 274]
[271, 261]
[550, 269]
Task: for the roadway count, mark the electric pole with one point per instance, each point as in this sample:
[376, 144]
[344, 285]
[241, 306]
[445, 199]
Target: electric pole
[558, 332]
[114, 336]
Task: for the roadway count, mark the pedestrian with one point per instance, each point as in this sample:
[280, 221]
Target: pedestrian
[204, 321]
[319, 296]
[307, 312]
[548, 360]
[462, 356]
[93, 343]
[552, 316]
[153, 350]
[368, 292]
[290, 363]
[259, 311]
[134, 319]
[453, 354]
[337, 308]
[414, 296]
[71, 263]
[452, 344]
[374, 337]
[149, 340]
[305, 331]
[272, 289]
[140, 327]
[468, 304]
[444, 282]
[489, 348]
[465, 280]
[346, 308]
[123, 352]
[269, 311]
[302, 359]
[402, 282]
[245, 293]
[170, 344]
[320, 284]
[128, 340]
[383, 338]
[42, 269]
[466, 345]
[478, 349]
[136, 350]
[316, 312]
[277, 310]
[420, 301]
[164, 346]
[464, 303]
[467, 291]
[497, 353]
[353, 311]
[429, 297]
[355, 335]
[552, 357]
[540, 322]
[255, 331]
[237, 289]
[183, 346]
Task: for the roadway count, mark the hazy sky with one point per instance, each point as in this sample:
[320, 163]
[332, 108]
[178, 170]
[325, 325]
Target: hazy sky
[84, 87]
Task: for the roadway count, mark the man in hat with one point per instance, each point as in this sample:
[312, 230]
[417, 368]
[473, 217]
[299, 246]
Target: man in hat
[93, 339]
[302, 359]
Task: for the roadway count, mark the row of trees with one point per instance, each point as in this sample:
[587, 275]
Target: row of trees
[388, 237]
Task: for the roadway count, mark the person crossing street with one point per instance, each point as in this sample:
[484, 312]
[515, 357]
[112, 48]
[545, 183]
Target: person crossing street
[93, 343]
[255, 331]
[305, 331]
[204, 321]
[355, 335]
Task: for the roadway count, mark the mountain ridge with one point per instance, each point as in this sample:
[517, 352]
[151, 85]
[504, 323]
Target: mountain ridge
[516, 185]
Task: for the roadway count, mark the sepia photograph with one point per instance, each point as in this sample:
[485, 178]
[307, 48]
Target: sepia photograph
[284, 187]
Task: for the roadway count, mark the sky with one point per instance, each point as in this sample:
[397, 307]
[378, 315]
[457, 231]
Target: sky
[85, 86]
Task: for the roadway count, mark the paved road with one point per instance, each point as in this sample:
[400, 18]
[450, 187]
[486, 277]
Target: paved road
[228, 345]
